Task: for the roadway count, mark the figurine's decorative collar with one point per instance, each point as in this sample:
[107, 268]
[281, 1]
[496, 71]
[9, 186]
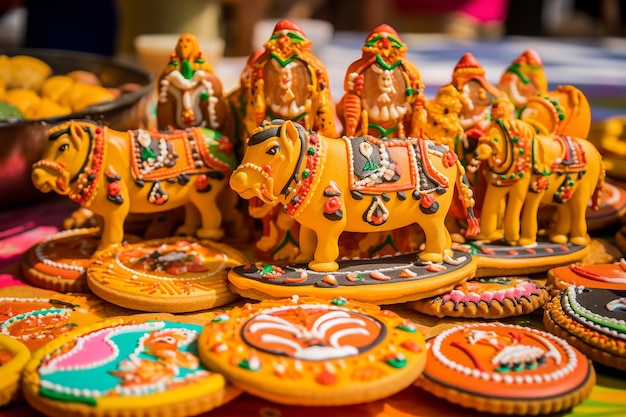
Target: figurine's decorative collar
[84, 183]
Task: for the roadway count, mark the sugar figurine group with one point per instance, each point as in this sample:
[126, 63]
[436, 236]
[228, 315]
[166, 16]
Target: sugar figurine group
[462, 176]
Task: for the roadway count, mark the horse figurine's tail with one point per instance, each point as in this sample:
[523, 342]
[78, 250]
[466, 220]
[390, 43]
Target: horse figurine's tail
[597, 192]
[466, 195]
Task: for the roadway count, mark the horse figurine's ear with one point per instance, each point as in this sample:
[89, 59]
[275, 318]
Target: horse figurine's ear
[75, 133]
[289, 133]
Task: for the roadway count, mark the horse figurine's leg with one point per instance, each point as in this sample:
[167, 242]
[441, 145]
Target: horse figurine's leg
[438, 240]
[578, 223]
[529, 225]
[112, 227]
[562, 225]
[308, 242]
[192, 221]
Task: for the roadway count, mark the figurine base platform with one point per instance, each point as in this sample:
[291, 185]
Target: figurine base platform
[384, 280]
[497, 257]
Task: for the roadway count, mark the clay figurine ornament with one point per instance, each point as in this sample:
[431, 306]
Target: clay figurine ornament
[115, 173]
[359, 184]
[383, 89]
[190, 94]
[289, 82]
[527, 170]
[564, 111]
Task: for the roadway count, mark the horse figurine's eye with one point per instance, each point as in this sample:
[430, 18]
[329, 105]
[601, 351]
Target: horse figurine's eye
[64, 147]
[273, 150]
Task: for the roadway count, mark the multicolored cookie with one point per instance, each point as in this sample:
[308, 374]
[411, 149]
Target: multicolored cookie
[13, 357]
[60, 262]
[141, 365]
[506, 369]
[172, 275]
[593, 320]
[609, 276]
[35, 316]
[490, 298]
[308, 351]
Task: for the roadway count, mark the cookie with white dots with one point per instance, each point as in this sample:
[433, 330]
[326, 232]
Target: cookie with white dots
[308, 351]
[506, 369]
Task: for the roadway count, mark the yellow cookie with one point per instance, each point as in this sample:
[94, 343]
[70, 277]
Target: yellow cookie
[35, 316]
[143, 365]
[309, 351]
[13, 357]
[172, 275]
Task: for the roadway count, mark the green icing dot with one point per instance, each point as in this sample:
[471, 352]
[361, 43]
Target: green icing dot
[340, 301]
[306, 174]
[311, 150]
[245, 364]
[410, 329]
[397, 362]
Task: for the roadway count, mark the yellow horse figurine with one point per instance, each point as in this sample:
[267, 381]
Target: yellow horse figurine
[526, 170]
[358, 184]
[116, 173]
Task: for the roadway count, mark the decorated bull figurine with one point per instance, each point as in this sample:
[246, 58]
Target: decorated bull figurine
[358, 184]
[116, 173]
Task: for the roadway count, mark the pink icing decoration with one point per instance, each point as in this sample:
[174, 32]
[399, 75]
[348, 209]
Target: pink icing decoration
[498, 296]
[94, 349]
[487, 296]
[473, 297]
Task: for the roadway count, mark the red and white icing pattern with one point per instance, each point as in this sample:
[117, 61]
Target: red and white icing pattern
[516, 348]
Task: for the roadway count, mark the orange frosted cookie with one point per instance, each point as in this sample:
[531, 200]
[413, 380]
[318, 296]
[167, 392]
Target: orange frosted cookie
[309, 351]
[165, 275]
[35, 316]
[13, 357]
[593, 320]
[486, 298]
[506, 369]
[144, 365]
[610, 276]
[60, 262]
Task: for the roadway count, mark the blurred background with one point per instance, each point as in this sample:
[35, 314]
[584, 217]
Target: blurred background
[110, 26]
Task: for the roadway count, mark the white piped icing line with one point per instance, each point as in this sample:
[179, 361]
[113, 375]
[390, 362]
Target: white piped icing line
[546, 339]
[40, 256]
[602, 324]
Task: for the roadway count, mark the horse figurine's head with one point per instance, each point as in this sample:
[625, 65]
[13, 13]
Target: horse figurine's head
[272, 162]
[524, 78]
[507, 143]
[65, 156]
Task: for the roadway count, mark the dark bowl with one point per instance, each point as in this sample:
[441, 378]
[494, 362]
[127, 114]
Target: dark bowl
[22, 141]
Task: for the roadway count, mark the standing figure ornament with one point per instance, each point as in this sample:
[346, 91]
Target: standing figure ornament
[383, 89]
[289, 82]
[190, 94]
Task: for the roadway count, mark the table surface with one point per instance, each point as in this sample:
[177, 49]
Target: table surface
[597, 67]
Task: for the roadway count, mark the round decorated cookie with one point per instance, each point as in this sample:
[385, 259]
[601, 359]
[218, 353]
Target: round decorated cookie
[173, 275]
[143, 365]
[60, 262]
[506, 369]
[13, 357]
[35, 316]
[593, 320]
[486, 298]
[308, 351]
[609, 276]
